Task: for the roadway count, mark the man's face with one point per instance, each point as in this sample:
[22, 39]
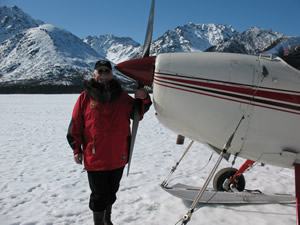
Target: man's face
[103, 75]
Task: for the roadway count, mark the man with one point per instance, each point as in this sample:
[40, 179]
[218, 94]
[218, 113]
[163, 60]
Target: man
[99, 134]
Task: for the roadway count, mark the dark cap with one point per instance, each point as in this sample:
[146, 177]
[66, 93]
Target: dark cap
[102, 63]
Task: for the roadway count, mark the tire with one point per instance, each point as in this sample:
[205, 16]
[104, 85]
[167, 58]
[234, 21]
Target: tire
[225, 173]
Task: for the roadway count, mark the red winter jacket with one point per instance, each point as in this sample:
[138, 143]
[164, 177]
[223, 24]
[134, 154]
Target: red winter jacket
[102, 131]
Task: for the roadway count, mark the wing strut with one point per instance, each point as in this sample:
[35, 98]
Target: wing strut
[227, 145]
[188, 216]
[164, 184]
[297, 190]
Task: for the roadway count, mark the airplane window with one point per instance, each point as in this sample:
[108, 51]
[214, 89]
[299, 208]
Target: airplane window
[289, 51]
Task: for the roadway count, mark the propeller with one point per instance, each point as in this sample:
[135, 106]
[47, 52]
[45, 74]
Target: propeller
[149, 32]
[140, 70]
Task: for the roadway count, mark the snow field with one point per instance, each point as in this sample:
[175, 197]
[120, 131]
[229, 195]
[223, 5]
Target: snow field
[41, 184]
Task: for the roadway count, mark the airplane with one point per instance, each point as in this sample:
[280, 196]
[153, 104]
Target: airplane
[242, 105]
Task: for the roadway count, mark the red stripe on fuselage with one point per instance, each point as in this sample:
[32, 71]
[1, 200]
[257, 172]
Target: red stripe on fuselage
[246, 89]
[243, 93]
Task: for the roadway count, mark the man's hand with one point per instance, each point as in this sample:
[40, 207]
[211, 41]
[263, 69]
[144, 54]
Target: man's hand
[141, 93]
[78, 158]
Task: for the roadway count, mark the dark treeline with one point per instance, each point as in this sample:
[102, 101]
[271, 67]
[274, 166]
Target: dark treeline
[41, 89]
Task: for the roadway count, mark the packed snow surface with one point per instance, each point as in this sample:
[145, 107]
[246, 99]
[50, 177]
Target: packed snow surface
[41, 184]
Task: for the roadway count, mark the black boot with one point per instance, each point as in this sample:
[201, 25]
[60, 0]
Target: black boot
[98, 218]
[107, 217]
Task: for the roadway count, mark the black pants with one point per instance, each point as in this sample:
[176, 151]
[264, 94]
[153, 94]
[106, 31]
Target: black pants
[104, 186]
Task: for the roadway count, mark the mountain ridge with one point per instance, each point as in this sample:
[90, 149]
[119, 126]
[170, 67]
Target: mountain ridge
[34, 54]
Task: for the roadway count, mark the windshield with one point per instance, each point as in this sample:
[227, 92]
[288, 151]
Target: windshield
[290, 47]
[289, 51]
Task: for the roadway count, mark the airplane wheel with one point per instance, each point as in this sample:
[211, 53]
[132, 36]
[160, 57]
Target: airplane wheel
[225, 173]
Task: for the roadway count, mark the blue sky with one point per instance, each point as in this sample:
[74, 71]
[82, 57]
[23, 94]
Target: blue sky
[128, 18]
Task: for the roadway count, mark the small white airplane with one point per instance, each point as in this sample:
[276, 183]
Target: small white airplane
[250, 103]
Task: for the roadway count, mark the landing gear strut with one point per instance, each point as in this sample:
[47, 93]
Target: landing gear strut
[231, 179]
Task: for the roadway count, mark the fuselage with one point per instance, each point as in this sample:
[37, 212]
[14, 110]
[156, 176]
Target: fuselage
[204, 96]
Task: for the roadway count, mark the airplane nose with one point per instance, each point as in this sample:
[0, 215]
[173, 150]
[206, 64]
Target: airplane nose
[141, 69]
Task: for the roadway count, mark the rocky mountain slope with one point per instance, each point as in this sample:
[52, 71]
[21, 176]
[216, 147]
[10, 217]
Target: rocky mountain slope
[13, 21]
[251, 41]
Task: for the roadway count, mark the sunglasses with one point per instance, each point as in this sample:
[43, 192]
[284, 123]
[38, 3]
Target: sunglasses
[106, 71]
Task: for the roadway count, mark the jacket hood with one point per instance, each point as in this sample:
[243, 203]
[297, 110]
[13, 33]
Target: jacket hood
[103, 93]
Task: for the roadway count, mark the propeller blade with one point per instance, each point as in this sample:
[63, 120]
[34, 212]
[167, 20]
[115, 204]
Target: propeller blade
[135, 126]
[148, 37]
[140, 70]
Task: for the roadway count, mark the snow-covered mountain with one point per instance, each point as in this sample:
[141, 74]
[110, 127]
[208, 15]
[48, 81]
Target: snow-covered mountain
[251, 41]
[45, 55]
[114, 48]
[192, 38]
[37, 54]
[188, 38]
[41, 55]
[13, 21]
